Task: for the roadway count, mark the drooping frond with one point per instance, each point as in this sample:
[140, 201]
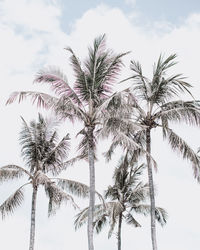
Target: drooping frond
[108, 154]
[58, 83]
[12, 202]
[56, 196]
[100, 223]
[81, 218]
[180, 146]
[115, 210]
[130, 220]
[74, 187]
[11, 172]
[38, 98]
[180, 111]
[127, 143]
[103, 213]
[160, 213]
[161, 216]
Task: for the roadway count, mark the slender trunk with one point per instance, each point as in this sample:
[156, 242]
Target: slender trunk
[151, 189]
[33, 209]
[92, 187]
[119, 232]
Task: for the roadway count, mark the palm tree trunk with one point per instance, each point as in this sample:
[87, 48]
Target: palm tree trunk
[151, 189]
[92, 186]
[33, 209]
[119, 232]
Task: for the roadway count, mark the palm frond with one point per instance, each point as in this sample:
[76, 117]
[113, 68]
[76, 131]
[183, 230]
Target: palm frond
[38, 98]
[128, 143]
[54, 160]
[99, 211]
[180, 111]
[56, 196]
[81, 84]
[119, 102]
[130, 220]
[58, 83]
[10, 172]
[83, 145]
[114, 212]
[180, 146]
[66, 108]
[165, 88]
[115, 124]
[14, 201]
[100, 223]
[141, 85]
[81, 218]
[160, 213]
[74, 187]
[138, 194]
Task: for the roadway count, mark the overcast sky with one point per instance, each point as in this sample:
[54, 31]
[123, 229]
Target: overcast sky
[33, 34]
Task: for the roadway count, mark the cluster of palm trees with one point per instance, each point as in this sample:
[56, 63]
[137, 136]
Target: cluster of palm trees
[126, 116]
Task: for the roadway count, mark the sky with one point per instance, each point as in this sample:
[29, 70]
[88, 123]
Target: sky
[33, 35]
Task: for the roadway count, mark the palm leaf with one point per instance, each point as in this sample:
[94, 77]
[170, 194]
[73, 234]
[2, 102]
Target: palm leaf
[41, 99]
[58, 83]
[10, 172]
[132, 221]
[179, 145]
[56, 197]
[53, 161]
[14, 201]
[160, 213]
[180, 111]
[74, 187]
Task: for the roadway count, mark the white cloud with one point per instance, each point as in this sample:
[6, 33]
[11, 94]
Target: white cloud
[31, 36]
[31, 15]
[130, 2]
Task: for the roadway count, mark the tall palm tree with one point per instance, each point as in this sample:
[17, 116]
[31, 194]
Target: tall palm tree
[128, 196]
[86, 101]
[43, 154]
[155, 105]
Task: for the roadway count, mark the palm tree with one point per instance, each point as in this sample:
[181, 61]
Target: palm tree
[85, 102]
[154, 105]
[128, 196]
[43, 154]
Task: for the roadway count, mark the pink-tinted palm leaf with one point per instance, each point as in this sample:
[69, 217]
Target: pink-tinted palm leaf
[58, 83]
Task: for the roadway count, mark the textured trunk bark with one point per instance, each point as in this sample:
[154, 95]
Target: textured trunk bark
[92, 187]
[33, 209]
[151, 189]
[119, 232]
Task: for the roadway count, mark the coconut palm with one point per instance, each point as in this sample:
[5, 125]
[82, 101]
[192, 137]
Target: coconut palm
[85, 102]
[128, 197]
[155, 104]
[43, 154]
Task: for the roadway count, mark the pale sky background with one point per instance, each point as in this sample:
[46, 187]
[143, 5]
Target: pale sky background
[33, 34]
